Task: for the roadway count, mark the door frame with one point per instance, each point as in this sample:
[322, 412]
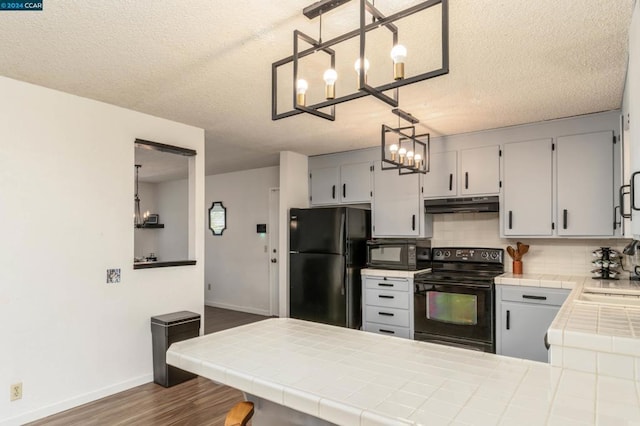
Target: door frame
[274, 240]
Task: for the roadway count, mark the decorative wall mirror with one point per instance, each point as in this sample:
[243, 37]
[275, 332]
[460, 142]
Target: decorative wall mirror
[217, 218]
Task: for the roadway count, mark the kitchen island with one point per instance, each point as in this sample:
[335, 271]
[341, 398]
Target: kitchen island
[349, 377]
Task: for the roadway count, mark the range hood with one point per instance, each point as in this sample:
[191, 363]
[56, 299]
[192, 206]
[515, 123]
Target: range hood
[462, 205]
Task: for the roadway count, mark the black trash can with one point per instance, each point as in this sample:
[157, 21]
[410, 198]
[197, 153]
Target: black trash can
[165, 330]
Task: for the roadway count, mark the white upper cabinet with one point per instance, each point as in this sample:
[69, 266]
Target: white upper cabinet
[345, 184]
[324, 186]
[355, 182]
[396, 204]
[441, 180]
[480, 171]
[585, 184]
[527, 207]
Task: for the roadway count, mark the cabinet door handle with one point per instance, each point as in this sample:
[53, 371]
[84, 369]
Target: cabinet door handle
[510, 219]
[633, 191]
[466, 180]
[565, 214]
[546, 340]
[344, 190]
[528, 296]
[382, 330]
[333, 192]
[386, 314]
[413, 222]
[450, 181]
[384, 296]
[622, 194]
[508, 320]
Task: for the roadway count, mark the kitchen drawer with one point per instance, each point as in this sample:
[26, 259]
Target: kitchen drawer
[390, 316]
[388, 330]
[388, 284]
[387, 298]
[537, 295]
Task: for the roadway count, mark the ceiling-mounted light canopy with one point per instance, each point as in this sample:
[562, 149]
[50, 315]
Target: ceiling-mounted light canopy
[399, 56]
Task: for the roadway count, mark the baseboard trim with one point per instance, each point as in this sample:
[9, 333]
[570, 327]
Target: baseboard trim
[246, 309]
[76, 401]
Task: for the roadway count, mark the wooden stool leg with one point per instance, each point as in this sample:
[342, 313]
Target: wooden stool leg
[240, 414]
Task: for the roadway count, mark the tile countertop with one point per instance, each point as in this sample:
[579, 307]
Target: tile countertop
[350, 377]
[391, 273]
[590, 337]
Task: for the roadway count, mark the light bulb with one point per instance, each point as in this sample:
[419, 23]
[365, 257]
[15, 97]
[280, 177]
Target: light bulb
[410, 158]
[301, 90]
[402, 152]
[417, 160]
[398, 54]
[393, 149]
[357, 67]
[330, 76]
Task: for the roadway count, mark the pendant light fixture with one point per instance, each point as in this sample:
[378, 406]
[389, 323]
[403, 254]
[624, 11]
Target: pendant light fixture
[409, 153]
[138, 220]
[398, 55]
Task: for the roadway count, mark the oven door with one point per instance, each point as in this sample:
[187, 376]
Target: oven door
[387, 255]
[458, 314]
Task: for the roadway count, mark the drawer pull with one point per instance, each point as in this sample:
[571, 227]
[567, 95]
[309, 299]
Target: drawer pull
[384, 285]
[384, 296]
[386, 314]
[382, 330]
[528, 296]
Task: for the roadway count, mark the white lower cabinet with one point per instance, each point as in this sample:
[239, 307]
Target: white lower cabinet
[387, 306]
[523, 316]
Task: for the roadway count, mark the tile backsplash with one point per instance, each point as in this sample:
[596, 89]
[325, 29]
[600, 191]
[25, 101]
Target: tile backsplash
[546, 255]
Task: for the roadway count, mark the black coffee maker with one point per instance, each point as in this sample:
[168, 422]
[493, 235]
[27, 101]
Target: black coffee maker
[632, 257]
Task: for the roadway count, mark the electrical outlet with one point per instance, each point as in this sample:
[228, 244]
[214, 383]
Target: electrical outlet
[15, 391]
[209, 286]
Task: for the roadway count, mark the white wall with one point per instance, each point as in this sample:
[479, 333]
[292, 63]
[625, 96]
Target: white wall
[237, 261]
[173, 200]
[66, 205]
[560, 256]
[294, 192]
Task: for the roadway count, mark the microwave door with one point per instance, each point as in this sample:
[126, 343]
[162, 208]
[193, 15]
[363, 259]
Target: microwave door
[387, 255]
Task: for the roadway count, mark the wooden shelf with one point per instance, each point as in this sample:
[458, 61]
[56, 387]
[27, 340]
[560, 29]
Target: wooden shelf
[150, 226]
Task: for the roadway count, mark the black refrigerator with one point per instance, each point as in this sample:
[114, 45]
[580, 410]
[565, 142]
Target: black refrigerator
[327, 251]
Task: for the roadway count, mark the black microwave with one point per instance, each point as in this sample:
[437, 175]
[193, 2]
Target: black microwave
[402, 254]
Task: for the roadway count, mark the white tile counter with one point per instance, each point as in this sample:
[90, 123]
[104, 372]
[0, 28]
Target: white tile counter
[349, 377]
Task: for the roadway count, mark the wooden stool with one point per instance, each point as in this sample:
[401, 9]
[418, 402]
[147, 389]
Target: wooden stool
[240, 414]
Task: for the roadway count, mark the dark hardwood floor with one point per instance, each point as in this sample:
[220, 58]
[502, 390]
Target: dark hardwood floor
[195, 402]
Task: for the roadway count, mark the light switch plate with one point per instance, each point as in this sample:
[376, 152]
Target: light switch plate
[113, 276]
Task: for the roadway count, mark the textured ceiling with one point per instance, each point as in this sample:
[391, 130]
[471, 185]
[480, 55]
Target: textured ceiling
[208, 64]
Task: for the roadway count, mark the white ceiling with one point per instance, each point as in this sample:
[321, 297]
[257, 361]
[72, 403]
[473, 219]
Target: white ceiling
[208, 63]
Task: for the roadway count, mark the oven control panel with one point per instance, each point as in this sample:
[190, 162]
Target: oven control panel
[466, 254]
